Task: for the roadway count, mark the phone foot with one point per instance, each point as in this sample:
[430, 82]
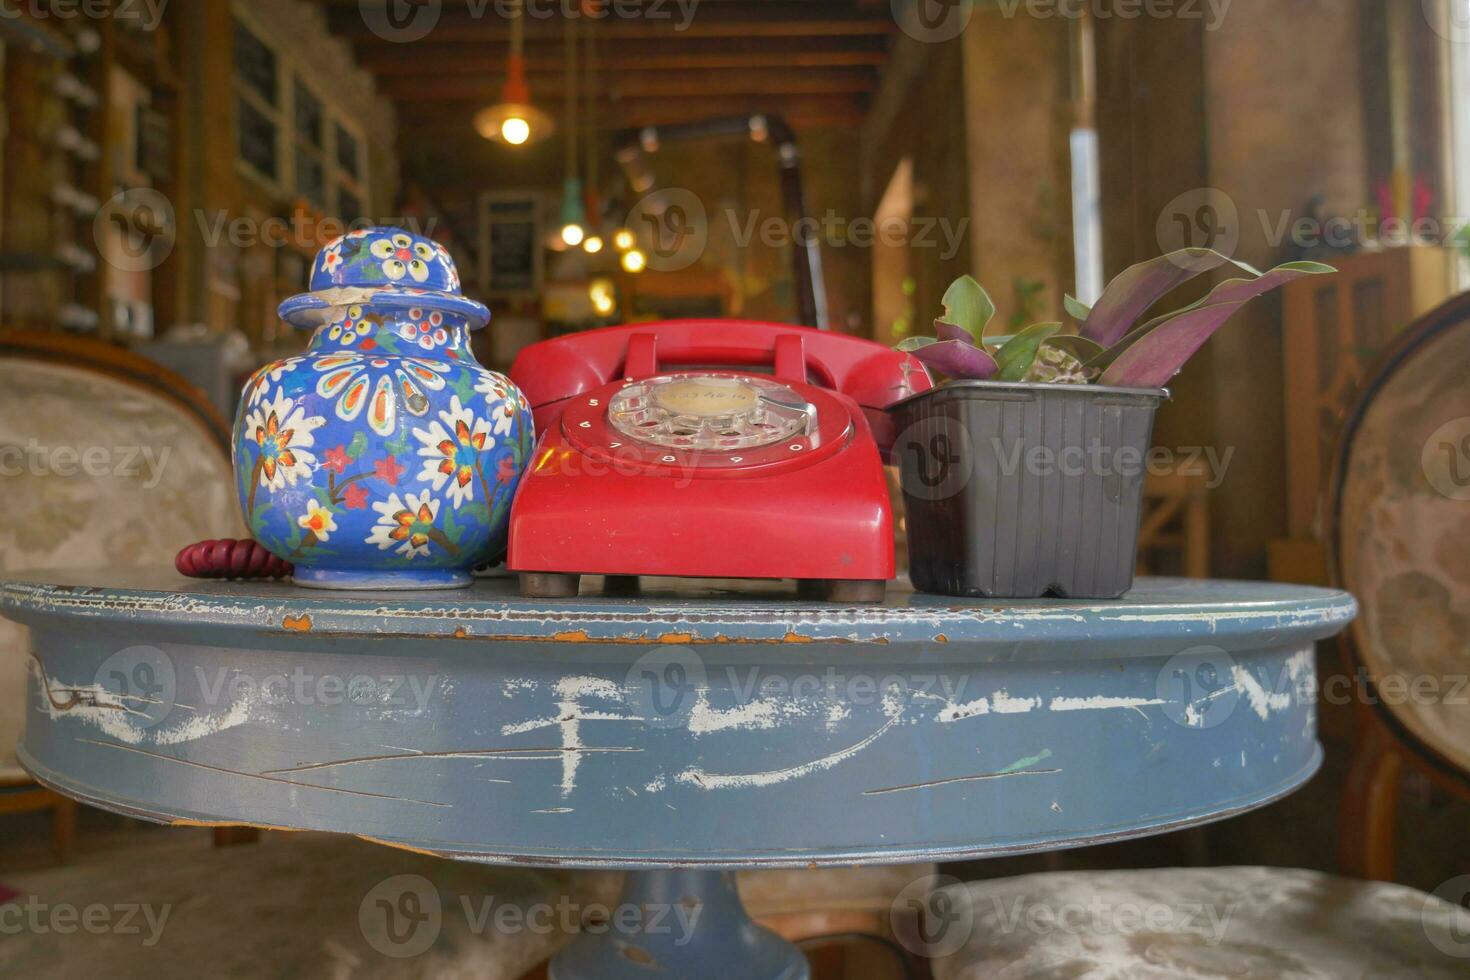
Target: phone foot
[549, 585]
[853, 590]
[620, 585]
[812, 589]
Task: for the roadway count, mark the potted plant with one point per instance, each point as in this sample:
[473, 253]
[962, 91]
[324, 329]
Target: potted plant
[1023, 471]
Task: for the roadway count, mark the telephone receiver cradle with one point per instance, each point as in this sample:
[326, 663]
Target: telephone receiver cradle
[709, 449]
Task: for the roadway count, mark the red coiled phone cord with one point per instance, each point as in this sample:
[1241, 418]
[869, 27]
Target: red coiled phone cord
[231, 559]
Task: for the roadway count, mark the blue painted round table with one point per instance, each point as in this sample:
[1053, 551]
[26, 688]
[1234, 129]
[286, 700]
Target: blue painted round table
[679, 733]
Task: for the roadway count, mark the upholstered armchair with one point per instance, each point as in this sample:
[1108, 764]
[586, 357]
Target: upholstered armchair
[105, 460]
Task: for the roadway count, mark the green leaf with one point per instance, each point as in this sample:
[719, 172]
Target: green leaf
[911, 344]
[359, 443]
[448, 523]
[1076, 309]
[967, 305]
[257, 523]
[1016, 357]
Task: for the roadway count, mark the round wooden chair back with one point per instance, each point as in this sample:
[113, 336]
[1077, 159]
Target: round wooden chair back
[105, 460]
[1399, 535]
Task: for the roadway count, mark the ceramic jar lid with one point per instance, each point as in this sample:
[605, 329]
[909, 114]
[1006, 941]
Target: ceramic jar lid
[389, 268]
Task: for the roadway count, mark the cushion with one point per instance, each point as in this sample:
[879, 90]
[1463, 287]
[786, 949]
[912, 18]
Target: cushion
[97, 470]
[293, 905]
[1198, 924]
[1402, 536]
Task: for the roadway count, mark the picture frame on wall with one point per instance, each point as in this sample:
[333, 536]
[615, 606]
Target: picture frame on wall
[512, 261]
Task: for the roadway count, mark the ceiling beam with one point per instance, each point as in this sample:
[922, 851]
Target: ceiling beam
[621, 85]
[664, 19]
[387, 61]
[448, 120]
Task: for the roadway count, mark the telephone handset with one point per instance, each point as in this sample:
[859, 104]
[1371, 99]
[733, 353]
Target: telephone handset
[709, 448]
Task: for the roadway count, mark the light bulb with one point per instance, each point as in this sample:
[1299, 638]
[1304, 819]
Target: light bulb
[593, 244]
[515, 130]
[623, 240]
[604, 296]
[572, 234]
[634, 261]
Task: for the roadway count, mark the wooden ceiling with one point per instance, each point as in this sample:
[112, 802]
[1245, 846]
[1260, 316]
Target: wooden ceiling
[658, 62]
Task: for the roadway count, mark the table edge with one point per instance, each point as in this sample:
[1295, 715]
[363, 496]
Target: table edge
[1311, 613]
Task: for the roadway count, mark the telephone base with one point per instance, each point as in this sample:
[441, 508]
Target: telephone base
[559, 585]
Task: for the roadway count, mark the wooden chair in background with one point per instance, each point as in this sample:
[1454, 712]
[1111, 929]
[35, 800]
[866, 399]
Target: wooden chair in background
[76, 418]
[1174, 535]
[1399, 540]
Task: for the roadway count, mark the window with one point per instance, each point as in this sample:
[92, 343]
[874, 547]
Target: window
[348, 178]
[295, 142]
[257, 108]
[257, 140]
[347, 153]
[311, 171]
[255, 64]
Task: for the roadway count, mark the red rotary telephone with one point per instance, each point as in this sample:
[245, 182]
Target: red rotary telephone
[709, 448]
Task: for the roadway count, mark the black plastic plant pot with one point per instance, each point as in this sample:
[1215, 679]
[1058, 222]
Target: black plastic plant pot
[1023, 490]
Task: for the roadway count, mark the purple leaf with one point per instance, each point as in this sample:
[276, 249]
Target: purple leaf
[958, 359]
[1140, 286]
[1159, 354]
[948, 331]
[1155, 359]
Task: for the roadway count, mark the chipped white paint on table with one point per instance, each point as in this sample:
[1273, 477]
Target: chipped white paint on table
[676, 729]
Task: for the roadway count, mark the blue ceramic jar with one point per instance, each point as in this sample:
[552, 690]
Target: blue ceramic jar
[386, 456]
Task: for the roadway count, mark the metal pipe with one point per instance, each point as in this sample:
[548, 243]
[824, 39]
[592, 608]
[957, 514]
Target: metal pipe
[811, 288]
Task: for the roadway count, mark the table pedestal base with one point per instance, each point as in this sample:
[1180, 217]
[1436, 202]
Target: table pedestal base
[690, 925]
